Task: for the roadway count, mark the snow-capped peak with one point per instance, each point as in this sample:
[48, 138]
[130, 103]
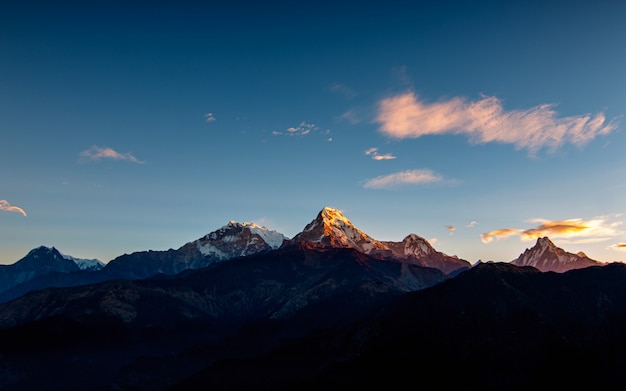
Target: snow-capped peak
[238, 239]
[546, 256]
[333, 229]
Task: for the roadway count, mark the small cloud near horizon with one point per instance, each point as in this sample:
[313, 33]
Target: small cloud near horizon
[6, 206]
[99, 153]
[618, 246]
[574, 230]
[408, 177]
[486, 120]
[451, 228]
[471, 224]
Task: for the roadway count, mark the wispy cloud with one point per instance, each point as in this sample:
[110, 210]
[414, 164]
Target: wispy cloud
[373, 152]
[209, 117]
[99, 153]
[575, 230]
[451, 228]
[303, 129]
[498, 234]
[409, 177]
[350, 116]
[619, 246]
[343, 90]
[485, 120]
[471, 224]
[4, 205]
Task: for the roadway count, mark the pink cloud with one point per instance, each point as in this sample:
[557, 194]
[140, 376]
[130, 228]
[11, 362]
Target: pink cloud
[4, 205]
[98, 153]
[485, 120]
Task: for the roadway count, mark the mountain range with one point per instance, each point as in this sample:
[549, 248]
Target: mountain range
[245, 307]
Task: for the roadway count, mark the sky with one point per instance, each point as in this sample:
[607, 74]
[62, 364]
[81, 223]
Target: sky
[478, 125]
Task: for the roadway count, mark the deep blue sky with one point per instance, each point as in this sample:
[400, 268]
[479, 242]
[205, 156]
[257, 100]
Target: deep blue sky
[129, 126]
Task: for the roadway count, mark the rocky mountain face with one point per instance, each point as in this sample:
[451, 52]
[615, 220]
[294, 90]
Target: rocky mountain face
[545, 256]
[40, 262]
[230, 241]
[332, 229]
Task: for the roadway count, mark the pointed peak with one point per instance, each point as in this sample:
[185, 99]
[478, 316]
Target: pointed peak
[414, 238]
[333, 216]
[43, 249]
[545, 242]
[331, 228]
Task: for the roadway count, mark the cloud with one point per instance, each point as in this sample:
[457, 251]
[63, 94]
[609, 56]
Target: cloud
[498, 234]
[563, 228]
[451, 228]
[98, 153]
[471, 224]
[575, 230]
[343, 90]
[409, 177]
[373, 152]
[485, 121]
[302, 129]
[350, 116]
[4, 205]
[209, 117]
[619, 246]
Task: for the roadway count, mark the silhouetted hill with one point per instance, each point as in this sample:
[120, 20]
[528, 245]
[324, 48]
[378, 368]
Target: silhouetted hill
[494, 327]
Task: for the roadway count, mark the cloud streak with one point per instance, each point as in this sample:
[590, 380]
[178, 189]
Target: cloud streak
[619, 246]
[408, 177]
[485, 121]
[303, 129]
[4, 205]
[99, 153]
[595, 230]
[373, 152]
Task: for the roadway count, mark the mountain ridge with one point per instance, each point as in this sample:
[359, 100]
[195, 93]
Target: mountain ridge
[546, 256]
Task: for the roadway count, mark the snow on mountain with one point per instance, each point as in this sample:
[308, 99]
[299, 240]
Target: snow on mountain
[84, 264]
[239, 239]
[332, 228]
[412, 245]
[545, 256]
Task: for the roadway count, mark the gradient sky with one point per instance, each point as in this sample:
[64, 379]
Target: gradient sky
[478, 125]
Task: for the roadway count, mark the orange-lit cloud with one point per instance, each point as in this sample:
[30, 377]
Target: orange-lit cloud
[451, 228]
[619, 246]
[498, 234]
[373, 152]
[485, 120]
[409, 177]
[573, 230]
[562, 228]
[98, 153]
[4, 205]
